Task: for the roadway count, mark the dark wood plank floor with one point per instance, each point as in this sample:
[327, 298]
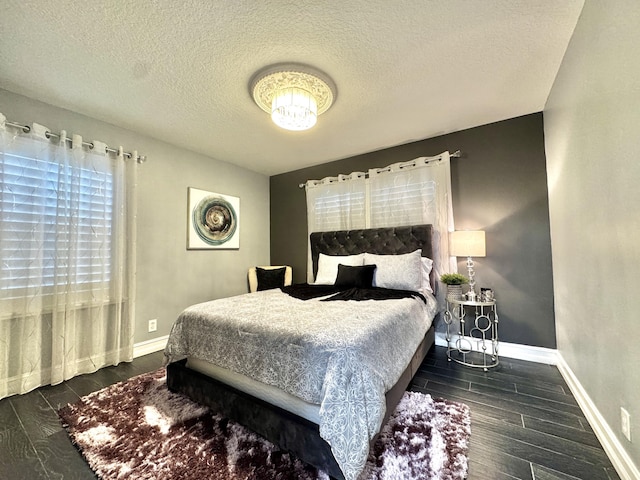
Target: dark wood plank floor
[525, 423]
[33, 444]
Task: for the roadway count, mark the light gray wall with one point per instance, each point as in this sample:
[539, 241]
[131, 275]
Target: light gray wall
[500, 186]
[170, 278]
[592, 136]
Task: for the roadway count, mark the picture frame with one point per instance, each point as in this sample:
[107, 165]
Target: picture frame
[213, 221]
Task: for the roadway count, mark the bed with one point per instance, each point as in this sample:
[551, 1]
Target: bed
[285, 368]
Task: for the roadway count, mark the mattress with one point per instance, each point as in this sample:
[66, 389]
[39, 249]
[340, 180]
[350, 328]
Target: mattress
[260, 390]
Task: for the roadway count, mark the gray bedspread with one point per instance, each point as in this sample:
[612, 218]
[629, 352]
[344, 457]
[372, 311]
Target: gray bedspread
[343, 356]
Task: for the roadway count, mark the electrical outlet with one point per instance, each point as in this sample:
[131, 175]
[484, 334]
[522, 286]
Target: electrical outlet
[153, 325]
[625, 419]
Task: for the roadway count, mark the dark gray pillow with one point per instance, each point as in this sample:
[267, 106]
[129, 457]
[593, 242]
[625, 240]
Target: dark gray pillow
[269, 278]
[355, 277]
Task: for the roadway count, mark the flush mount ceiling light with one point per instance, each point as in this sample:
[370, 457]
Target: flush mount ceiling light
[293, 94]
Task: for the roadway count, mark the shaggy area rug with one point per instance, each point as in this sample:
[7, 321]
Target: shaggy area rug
[138, 429]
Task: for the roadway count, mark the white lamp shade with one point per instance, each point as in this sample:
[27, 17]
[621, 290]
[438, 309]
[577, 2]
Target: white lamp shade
[467, 244]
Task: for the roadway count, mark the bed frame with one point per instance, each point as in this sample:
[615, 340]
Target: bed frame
[285, 429]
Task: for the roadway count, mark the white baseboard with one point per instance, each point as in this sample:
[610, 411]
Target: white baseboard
[150, 346]
[620, 459]
[548, 356]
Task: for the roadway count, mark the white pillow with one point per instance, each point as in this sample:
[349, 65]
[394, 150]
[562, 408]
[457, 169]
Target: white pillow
[427, 265]
[328, 266]
[400, 272]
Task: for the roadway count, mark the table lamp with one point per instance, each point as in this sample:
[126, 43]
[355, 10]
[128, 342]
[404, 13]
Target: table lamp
[468, 244]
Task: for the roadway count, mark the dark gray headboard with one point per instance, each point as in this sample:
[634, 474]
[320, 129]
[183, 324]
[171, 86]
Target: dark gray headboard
[383, 241]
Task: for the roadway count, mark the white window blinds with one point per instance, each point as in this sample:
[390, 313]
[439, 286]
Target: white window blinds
[405, 202]
[411, 193]
[46, 207]
[338, 203]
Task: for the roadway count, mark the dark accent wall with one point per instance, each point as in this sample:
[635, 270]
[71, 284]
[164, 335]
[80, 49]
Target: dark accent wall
[499, 185]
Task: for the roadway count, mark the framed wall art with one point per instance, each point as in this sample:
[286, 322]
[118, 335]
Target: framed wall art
[214, 220]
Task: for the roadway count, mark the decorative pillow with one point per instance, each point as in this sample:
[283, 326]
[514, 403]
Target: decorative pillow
[355, 277]
[399, 272]
[270, 278]
[427, 265]
[328, 266]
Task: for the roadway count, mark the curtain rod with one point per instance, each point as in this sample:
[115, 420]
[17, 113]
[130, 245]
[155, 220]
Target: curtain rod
[456, 154]
[48, 134]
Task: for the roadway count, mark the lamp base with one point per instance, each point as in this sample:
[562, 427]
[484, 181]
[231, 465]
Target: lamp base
[472, 280]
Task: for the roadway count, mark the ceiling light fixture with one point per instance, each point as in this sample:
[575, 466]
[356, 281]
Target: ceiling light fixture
[293, 94]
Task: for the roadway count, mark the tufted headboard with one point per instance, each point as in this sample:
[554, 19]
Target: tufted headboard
[383, 241]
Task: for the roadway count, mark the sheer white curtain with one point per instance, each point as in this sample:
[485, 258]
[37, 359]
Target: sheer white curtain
[335, 203]
[408, 193]
[67, 247]
[413, 193]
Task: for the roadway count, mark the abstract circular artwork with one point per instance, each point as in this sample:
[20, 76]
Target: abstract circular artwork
[214, 219]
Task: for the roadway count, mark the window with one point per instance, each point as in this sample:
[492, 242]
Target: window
[55, 217]
[330, 209]
[406, 193]
[67, 256]
[338, 203]
[409, 202]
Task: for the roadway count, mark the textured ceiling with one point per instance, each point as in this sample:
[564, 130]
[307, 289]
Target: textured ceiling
[179, 70]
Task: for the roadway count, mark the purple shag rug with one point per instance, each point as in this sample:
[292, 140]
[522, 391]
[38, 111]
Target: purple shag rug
[138, 429]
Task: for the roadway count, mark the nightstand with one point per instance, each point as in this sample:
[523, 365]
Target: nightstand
[477, 326]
